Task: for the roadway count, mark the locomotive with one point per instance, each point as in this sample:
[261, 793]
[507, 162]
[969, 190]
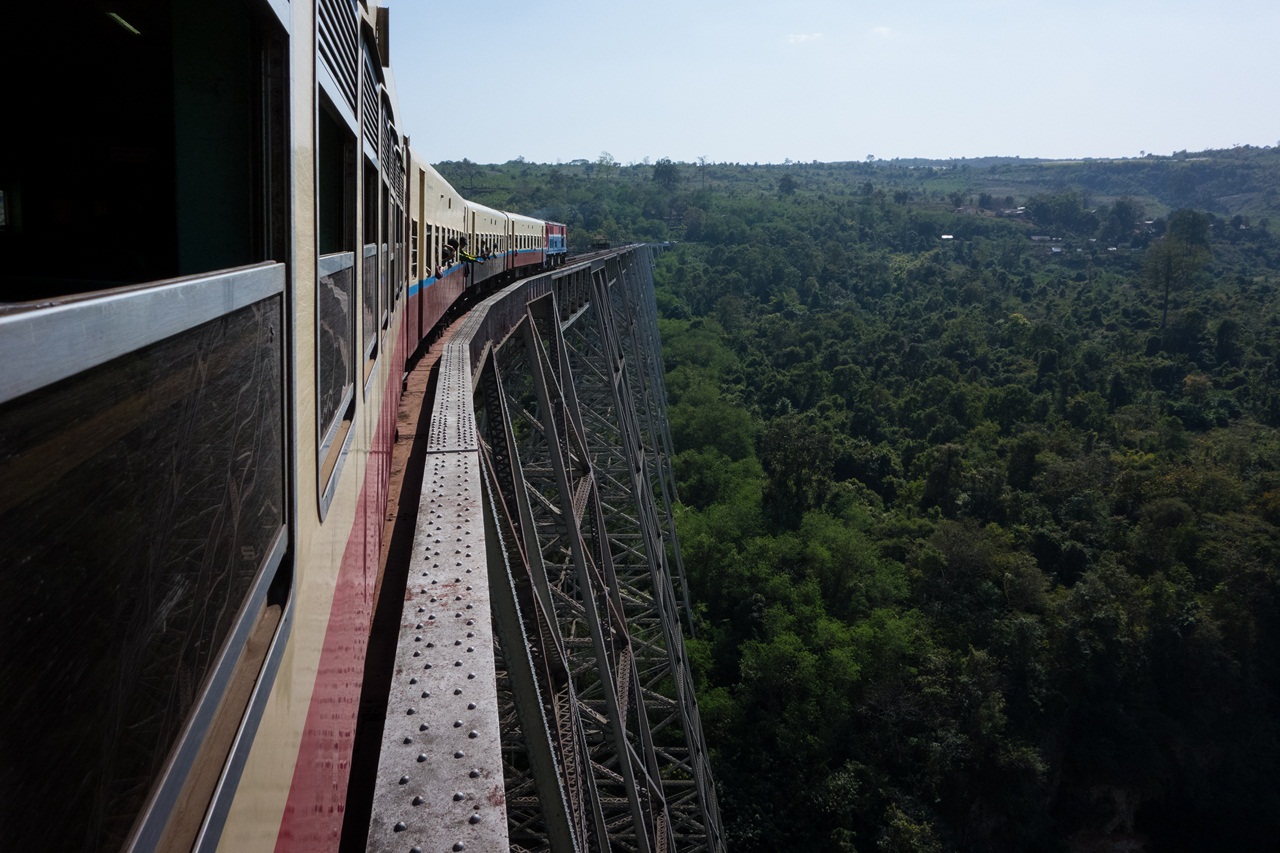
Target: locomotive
[218, 255]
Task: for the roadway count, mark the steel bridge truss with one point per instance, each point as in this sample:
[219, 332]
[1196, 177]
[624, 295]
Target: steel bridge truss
[549, 475]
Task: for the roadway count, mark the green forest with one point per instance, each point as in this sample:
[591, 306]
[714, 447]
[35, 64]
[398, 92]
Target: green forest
[979, 466]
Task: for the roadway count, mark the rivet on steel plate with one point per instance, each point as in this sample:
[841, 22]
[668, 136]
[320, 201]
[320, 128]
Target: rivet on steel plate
[459, 847]
[408, 740]
[475, 818]
[459, 754]
[404, 780]
[417, 801]
[459, 796]
[473, 734]
[422, 756]
[474, 774]
[457, 724]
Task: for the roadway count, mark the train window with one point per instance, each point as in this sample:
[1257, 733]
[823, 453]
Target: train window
[196, 407]
[369, 278]
[386, 247]
[397, 256]
[176, 179]
[401, 257]
[336, 291]
[413, 252]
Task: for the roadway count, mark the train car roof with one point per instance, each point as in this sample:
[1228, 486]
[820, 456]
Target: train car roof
[389, 82]
[436, 179]
[476, 207]
[526, 220]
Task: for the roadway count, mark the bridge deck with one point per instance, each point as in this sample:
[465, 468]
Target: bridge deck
[541, 585]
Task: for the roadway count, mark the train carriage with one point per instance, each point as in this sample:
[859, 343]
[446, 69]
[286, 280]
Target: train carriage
[209, 291]
[528, 249]
[555, 238]
[487, 238]
[437, 214]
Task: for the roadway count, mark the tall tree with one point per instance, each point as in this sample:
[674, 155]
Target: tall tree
[666, 173]
[1177, 256]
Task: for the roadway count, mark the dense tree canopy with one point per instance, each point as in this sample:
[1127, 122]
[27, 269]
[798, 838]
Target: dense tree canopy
[983, 544]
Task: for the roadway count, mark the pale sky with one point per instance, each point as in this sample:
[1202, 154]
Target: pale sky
[751, 81]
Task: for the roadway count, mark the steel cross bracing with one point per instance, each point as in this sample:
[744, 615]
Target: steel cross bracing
[580, 731]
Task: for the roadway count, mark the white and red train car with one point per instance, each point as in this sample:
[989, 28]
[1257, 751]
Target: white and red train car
[212, 277]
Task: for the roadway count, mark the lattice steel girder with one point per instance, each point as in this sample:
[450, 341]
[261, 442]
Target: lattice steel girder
[560, 590]
[600, 362]
[553, 537]
[556, 397]
[544, 697]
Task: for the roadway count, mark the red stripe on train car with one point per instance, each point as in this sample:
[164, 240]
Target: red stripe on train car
[312, 819]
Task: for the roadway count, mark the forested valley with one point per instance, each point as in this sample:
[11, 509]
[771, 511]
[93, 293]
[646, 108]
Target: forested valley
[980, 481]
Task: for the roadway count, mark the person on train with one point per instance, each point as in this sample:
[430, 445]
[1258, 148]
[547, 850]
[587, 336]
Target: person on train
[447, 254]
[466, 256]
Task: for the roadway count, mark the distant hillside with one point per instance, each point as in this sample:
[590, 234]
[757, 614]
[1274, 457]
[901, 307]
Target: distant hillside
[667, 200]
[1238, 181]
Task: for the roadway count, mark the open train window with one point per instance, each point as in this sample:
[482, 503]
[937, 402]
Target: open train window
[335, 291]
[386, 250]
[174, 165]
[369, 279]
[413, 251]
